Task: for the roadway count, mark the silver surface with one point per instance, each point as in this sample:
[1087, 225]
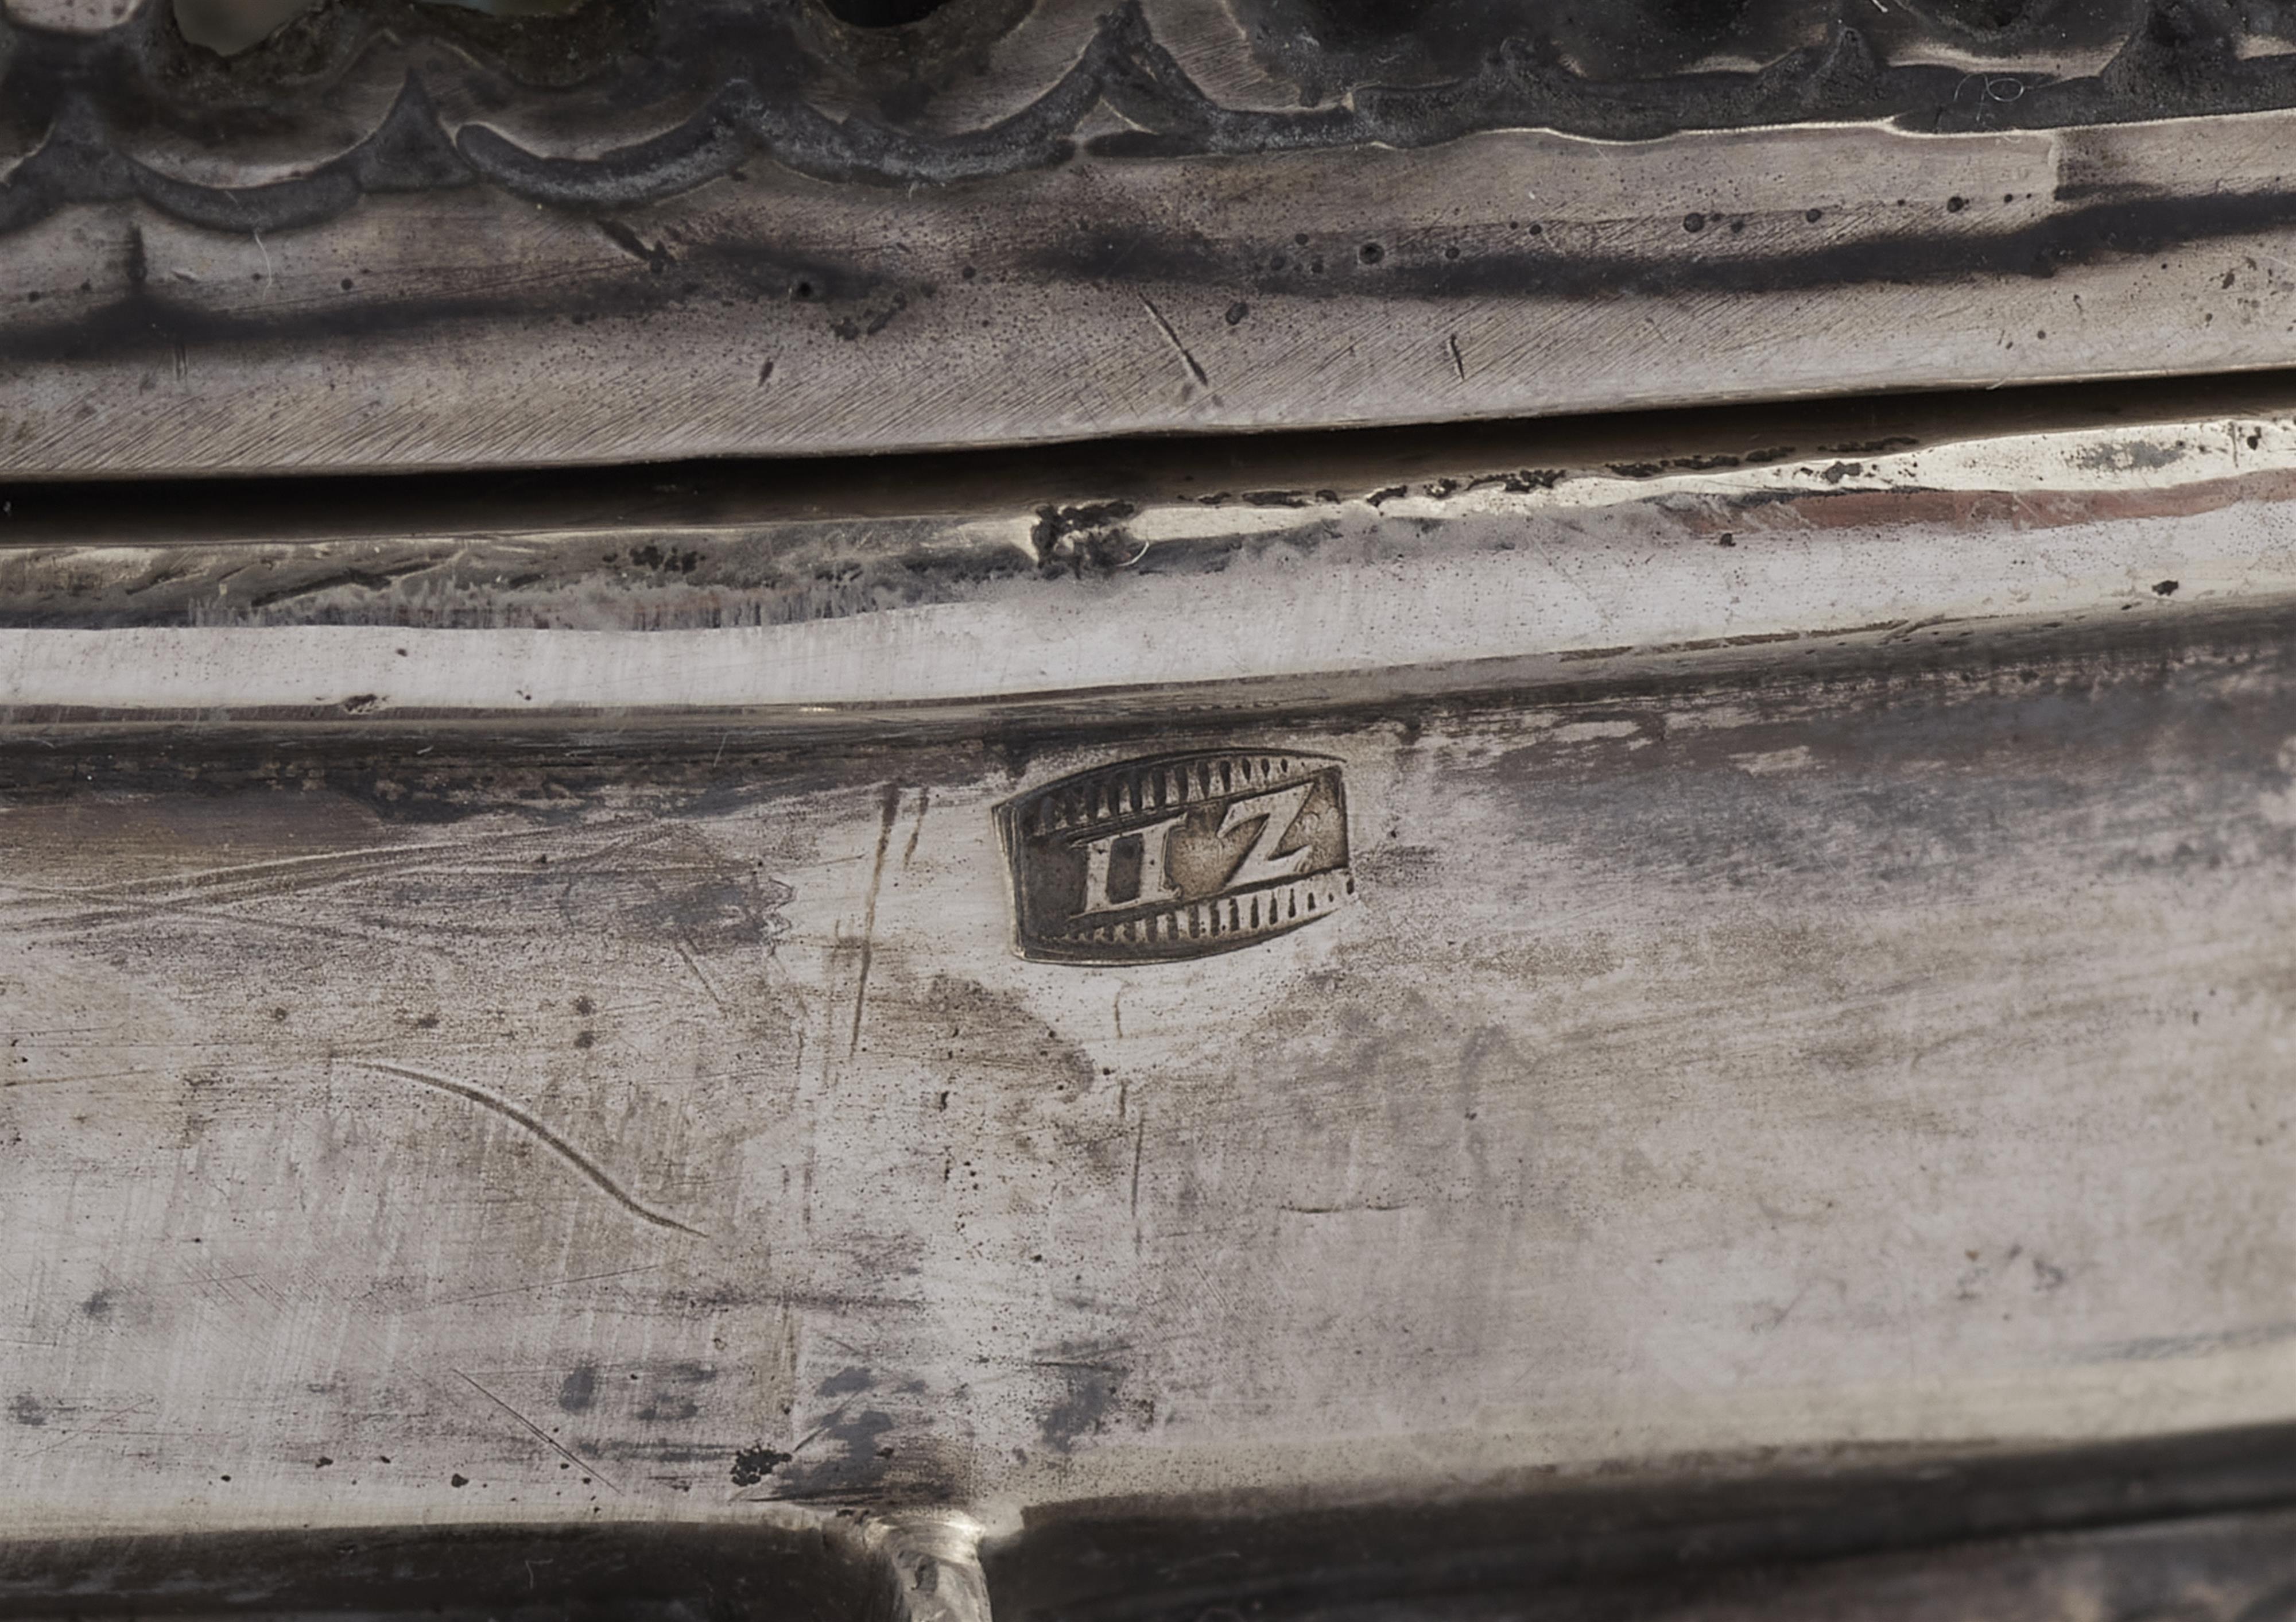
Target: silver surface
[202, 314]
[1815, 998]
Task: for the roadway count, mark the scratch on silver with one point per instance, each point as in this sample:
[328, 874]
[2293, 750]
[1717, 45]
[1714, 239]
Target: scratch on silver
[565, 1151]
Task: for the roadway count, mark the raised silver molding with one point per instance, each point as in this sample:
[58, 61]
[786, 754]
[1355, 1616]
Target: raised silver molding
[1141, 583]
[1816, 993]
[375, 244]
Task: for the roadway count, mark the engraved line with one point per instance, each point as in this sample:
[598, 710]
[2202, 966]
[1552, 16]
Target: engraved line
[290, 868]
[512, 1113]
[678, 942]
[909, 852]
[1157, 316]
[538, 1285]
[540, 1435]
[869, 913]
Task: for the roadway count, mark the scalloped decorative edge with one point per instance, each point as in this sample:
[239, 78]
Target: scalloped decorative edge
[1124, 68]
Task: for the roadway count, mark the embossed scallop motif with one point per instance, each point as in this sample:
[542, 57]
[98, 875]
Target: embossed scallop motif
[1177, 856]
[229, 27]
[86, 100]
[69, 16]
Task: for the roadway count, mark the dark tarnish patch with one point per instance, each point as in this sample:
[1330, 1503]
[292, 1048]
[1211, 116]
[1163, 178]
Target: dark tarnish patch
[669, 1393]
[578, 1390]
[27, 1409]
[1087, 534]
[846, 1382]
[533, 777]
[2130, 456]
[117, 1308]
[741, 910]
[1492, 262]
[145, 319]
[1091, 1396]
[848, 1454]
[652, 556]
[850, 1451]
[752, 1465]
[1886, 446]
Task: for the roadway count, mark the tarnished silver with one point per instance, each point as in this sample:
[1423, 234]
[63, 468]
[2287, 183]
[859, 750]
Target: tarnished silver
[1631, 1016]
[1821, 922]
[402, 236]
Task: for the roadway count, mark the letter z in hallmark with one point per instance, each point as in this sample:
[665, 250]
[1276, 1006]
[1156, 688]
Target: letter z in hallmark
[1179, 856]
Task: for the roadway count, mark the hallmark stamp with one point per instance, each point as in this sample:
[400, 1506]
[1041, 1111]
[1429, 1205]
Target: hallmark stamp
[1178, 856]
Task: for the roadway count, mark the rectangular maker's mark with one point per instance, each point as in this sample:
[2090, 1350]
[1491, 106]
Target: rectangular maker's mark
[1177, 856]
